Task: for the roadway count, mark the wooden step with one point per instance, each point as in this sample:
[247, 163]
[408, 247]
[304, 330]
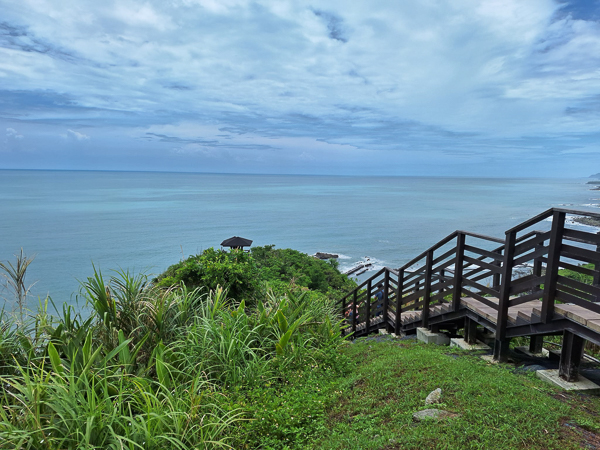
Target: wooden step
[482, 310]
[447, 308]
[512, 316]
[523, 311]
[435, 310]
[411, 316]
[576, 313]
[525, 315]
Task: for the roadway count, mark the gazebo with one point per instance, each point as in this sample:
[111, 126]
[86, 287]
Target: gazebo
[236, 242]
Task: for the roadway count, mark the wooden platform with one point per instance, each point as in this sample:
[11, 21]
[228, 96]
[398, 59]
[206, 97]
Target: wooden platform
[585, 317]
[526, 267]
[524, 313]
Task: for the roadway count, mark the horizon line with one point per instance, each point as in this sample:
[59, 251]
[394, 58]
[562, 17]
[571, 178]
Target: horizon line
[289, 174]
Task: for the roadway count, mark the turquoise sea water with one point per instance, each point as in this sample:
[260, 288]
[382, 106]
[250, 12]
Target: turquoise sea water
[147, 221]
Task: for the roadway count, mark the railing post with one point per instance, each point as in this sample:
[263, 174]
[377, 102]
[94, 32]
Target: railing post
[458, 271]
[344, 313]
[386, 287]
[501, 346]
[537, 264]
[556, 234]
[570, 356]
[470, 331]
[399, 302]
[368, 321]
[427, 294]
[354, 311]
[596, 280]
[536, 343]
[496, 276]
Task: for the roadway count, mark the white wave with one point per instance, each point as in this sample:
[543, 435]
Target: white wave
[570, 220]
[374, 265]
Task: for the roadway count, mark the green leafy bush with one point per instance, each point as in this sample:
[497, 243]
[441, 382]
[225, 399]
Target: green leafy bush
[282, 266]
[587, 279]
[235, 271]
[248, 276]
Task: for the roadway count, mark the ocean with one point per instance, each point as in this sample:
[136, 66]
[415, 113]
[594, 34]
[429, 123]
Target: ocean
[146, 221]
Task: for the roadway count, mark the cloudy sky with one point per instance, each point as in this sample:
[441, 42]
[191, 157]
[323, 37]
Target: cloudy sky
[440, 87]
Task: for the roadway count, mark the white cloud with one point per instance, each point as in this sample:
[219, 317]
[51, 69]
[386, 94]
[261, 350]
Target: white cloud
[12, 133]
[367, 75]
[305, 156]
[77, 136]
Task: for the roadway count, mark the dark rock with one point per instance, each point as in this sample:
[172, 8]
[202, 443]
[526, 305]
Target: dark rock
[322, 255]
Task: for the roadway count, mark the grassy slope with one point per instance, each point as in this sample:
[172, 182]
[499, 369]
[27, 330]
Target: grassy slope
[371, 405]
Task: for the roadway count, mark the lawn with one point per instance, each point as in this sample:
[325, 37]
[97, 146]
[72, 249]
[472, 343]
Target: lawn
[387, 380]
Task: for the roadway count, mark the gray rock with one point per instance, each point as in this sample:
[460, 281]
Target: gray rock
[433, 414]
[324, 255]
[434, 397]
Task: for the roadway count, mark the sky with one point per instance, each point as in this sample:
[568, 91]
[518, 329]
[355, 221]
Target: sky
[430, 87]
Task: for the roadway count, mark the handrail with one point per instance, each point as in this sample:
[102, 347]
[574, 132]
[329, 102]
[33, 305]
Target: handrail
[532, 221]
[447, 239]
[549, 213]
[427, 285]
[358, 288]
[482, 236]
[432, 248]
[577, 212]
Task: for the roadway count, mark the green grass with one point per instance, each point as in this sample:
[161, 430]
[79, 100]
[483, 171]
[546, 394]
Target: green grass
[365, 399]
[497, 408]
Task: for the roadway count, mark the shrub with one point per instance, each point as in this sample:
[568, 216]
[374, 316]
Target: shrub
[300, 269]
[235, 271]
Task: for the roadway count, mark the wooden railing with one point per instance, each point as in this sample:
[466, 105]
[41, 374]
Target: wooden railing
[465, 264]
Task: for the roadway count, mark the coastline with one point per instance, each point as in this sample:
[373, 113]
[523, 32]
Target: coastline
[588, 221]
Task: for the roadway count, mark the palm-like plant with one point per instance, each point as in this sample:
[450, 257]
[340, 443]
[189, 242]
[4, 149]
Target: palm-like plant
[15, 278]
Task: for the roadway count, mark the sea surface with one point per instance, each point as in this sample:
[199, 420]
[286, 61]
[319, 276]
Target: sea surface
[146, 221]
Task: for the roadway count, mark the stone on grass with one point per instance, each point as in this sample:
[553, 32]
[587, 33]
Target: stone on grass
[433, 414]
[434, 397]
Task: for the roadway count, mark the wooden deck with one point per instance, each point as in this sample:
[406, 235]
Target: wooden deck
[512, 290]
[526, 313]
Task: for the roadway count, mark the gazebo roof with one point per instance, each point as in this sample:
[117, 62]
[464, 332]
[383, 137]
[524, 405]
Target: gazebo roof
[236, 241]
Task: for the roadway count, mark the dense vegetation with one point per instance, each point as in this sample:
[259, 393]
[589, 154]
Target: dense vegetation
[167, 365]
[179, 363]
[249, 276]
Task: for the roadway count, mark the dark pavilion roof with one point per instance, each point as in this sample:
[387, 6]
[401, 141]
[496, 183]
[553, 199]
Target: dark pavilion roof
[236, 241]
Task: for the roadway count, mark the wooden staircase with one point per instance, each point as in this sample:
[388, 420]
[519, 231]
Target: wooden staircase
[512, 290]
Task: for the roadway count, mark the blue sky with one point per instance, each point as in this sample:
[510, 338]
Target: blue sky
[455, 87]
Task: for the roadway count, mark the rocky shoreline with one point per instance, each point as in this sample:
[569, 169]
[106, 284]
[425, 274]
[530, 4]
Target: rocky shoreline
[324, 255]
[591, 221]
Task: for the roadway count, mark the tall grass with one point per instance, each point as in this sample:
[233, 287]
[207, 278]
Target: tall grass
[15, 279]
[237, 346]
[94, 405]
[150, 367]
